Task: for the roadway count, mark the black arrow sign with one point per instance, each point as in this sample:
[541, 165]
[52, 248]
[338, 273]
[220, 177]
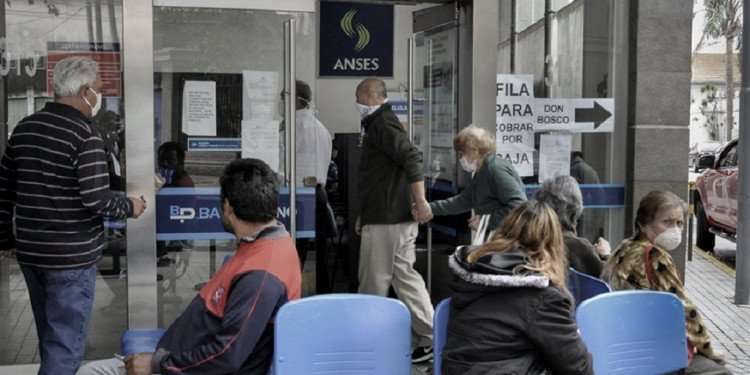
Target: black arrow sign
[597, 115]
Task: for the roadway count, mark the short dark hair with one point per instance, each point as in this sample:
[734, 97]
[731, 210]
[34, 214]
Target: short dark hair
[304, 93]
[173, 146]
[249, 185]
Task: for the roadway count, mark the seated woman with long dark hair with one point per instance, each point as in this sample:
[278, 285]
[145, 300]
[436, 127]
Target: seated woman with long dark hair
[511, 312]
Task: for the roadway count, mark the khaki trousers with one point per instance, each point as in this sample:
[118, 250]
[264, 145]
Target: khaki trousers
[386, 259]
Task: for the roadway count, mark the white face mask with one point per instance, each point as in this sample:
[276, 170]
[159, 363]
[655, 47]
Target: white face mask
[365, 110]
[94, 108]
[669, 239]
[468, 167]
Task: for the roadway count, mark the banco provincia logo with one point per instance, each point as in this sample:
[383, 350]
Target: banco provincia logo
[362, 34]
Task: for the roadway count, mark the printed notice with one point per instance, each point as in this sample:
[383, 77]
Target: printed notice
[260, 140]
[514, 130]
[554, 157]
[260, 93]
[199, 108]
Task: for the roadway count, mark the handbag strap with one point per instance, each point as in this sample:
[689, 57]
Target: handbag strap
[481, 230]
[649, 270]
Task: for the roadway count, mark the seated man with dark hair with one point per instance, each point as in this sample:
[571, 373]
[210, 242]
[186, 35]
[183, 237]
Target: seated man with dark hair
[228, 327]
[171, 159]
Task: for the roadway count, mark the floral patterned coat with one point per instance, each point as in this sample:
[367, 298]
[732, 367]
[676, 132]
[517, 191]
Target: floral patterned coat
[626, 269]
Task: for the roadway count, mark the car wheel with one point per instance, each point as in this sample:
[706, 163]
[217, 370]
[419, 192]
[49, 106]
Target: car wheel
[704, 239]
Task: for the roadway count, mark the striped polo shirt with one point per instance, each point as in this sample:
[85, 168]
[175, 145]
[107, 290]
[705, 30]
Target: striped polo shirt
[54, 173]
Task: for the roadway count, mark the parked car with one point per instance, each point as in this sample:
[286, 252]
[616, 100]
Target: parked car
[701, 149]
[716, 196]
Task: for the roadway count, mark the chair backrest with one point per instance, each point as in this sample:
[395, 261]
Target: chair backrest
[226, 258]
[342, 333]
[439, 331]
[140, 340]
[634, 332]
[583, 286]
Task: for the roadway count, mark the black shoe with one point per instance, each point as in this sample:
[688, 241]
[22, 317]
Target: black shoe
[421, 354]
[164, 261]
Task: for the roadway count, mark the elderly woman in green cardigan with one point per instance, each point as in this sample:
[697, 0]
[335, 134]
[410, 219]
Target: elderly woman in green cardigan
[563, 194]
[495, 187]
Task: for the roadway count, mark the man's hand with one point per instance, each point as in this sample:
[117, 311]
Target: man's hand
[421, 211]
[138, 364]
[139, 205]
[474, 222]
[8, 253]
[358, 227]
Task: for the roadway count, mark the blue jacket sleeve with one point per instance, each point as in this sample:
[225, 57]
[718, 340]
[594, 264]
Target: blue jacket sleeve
[253, 299]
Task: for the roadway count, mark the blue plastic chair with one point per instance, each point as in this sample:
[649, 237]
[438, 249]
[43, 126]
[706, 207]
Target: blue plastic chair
[583, 286]
[342, 333]
[636, 332]
[439, 331]
[140, 340]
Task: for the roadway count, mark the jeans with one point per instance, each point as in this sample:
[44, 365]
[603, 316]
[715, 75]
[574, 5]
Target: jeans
[61, 301]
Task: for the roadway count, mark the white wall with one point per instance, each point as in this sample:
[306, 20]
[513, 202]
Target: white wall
[334, 97]
[698, 132]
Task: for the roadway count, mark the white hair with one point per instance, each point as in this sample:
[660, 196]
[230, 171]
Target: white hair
[563, 194]
[72, 73]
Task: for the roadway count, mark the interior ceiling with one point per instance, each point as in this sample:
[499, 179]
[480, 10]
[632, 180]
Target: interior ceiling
[398, 2]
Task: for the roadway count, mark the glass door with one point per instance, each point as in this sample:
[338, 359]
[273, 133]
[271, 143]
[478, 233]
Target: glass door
[434, 113]
[34, 36]
[222, 90]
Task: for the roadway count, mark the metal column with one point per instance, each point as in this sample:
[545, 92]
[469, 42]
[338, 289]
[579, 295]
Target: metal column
[742, 263]
[138, 87]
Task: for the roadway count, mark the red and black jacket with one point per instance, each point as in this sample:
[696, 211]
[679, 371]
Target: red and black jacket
[228, 327]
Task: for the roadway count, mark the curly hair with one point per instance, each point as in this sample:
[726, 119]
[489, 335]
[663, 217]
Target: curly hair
[473, 136]
[533, 227]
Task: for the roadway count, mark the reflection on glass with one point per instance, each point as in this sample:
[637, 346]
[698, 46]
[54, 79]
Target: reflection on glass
[217, 78]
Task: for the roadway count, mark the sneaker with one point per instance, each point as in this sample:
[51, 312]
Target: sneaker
[421, 354]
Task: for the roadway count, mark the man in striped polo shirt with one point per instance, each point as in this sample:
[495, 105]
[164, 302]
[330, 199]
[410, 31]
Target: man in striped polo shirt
[54, 173]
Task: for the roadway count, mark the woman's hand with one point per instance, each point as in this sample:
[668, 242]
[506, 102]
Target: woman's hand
[602, 246]
[474, 222]
[719, 358]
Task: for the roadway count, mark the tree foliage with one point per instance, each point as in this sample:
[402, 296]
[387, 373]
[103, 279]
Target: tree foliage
[51, 7]
[724, 20]
[710, 110]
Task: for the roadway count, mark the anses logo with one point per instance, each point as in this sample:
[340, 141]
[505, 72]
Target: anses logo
[362, 34]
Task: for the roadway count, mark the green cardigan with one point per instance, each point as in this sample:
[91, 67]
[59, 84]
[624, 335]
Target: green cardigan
[582, 255]
[495, 189]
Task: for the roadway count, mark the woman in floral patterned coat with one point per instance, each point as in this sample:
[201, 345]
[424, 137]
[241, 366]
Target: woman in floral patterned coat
[643, 262]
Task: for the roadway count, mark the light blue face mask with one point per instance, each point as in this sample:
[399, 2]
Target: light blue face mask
[167, 174]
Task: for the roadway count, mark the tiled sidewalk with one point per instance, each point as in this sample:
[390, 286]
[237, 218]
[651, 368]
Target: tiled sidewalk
[711, 286]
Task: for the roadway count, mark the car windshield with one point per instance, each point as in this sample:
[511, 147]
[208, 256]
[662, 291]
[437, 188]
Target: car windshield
[709, 147]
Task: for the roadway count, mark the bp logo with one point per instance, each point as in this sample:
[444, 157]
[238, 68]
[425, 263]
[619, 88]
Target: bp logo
[359, 30]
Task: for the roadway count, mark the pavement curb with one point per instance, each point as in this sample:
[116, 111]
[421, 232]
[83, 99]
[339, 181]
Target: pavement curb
[719, 264]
